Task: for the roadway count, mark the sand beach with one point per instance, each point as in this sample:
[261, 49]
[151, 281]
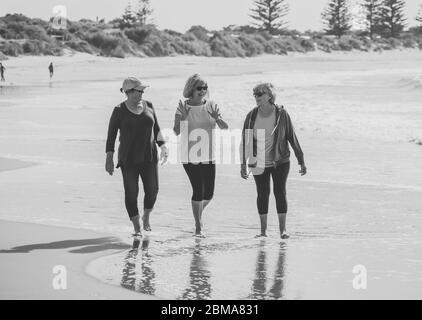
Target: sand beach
[358, 118]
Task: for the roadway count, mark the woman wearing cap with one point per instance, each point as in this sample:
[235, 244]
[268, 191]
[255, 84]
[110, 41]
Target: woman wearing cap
[137, 154]
[196, 119]
[266, 133]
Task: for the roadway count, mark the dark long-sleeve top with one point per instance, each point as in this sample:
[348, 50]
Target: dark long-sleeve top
[139, 135]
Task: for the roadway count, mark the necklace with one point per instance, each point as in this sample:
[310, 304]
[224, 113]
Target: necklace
[137, 109]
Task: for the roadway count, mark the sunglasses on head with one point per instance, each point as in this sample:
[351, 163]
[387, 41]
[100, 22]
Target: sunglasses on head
[258, 94]
[199, 88]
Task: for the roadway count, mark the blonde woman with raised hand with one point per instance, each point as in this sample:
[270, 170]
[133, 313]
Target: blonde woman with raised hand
[196, 119]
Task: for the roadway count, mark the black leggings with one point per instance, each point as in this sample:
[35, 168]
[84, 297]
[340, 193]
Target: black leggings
[202, 179]
[262, 182]
[149, 175]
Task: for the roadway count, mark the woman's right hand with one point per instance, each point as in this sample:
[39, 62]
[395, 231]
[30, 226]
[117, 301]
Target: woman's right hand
[184, 110]
[109, 165]
[244, 171]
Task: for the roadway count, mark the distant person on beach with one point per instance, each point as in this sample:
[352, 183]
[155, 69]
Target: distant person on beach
[51, 69]
[2, 68]
[137, 154]
[267, 130]
[197, 117]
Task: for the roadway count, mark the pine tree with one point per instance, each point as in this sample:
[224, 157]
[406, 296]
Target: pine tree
[337, 17]
[128, 17]
[392, 17]
[269, 14]
[144, 11]
[372, 10]
[419, 16]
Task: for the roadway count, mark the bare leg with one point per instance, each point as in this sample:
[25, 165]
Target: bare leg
[145, 219]
[282, 225]
[204, 204]
[136, 224]
[263, 220]
[197, 215]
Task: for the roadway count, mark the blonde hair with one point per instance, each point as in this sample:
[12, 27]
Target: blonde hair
[267, 88]
[191, 84]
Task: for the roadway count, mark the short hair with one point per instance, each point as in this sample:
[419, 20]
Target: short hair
[191, 84]
[266, 88]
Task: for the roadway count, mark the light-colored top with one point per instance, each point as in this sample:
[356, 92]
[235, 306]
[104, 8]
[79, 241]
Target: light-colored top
[197, 137]
[263, 132]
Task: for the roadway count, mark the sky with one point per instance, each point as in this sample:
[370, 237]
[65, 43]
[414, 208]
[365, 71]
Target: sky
[180, 15]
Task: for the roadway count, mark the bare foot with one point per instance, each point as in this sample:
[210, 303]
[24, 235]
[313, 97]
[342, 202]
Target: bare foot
[284, 235]
[261, 235]
[199, 234]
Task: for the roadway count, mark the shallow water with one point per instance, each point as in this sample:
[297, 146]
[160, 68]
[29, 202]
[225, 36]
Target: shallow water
[357, 118]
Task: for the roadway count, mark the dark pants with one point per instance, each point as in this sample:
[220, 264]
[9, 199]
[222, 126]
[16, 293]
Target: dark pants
[262, 181]
[202, 179]
[149, 175]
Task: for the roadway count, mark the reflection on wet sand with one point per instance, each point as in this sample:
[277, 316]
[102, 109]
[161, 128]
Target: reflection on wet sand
[259, 284]
[146, 274]
[199, 287]
[268, 278]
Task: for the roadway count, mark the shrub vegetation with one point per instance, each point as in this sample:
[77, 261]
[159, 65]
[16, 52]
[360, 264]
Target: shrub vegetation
[20, 35]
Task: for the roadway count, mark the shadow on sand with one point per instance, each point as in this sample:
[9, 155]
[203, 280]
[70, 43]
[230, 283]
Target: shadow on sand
[88, 245]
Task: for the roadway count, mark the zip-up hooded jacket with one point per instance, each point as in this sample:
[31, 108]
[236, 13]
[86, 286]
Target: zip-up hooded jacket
[283, 132]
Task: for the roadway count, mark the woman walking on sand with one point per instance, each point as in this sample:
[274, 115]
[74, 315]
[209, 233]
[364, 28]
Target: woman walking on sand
[195, 118]
[137, 155]
[2, 68]
[267, 130]
[51, 69]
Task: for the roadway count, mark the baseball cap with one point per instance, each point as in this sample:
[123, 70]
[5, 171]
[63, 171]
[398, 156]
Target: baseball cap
[132, 83]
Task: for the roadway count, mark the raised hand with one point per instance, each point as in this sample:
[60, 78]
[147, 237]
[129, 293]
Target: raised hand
[215, 112]
[184, 110]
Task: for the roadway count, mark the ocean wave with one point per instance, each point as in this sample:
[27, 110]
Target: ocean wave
[413, 82]
[417, 141]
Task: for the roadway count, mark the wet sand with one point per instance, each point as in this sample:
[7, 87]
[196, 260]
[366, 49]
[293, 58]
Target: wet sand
[12, 164]
[355, 115]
